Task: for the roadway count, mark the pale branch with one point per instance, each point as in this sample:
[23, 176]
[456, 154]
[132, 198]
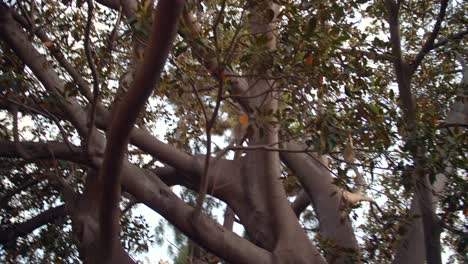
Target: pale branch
[220, 241]
[223, 185]
[326, 200]
[429, 44]
[10, 234]
[162, 35]
[268, 147]
[411, 248]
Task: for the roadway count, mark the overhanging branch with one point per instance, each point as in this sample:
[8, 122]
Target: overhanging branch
[39, 150]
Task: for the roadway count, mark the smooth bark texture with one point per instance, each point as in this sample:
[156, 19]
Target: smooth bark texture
[404, 73]
[335, 226]
[42, 150]
[162, 35]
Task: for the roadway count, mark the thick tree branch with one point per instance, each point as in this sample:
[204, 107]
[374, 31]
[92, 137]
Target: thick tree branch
[421, 181]
[138, 137]
[327, 202]
[37, 151]
[411, 248]
[164, 28]
[9, 234]
[394, 24]
[155, 194]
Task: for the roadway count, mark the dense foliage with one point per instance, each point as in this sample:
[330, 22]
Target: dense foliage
[332, 68]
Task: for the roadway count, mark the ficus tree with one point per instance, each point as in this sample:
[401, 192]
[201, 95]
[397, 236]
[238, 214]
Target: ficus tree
[331, 131]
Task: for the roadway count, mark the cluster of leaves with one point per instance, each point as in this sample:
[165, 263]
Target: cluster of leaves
[331, 83]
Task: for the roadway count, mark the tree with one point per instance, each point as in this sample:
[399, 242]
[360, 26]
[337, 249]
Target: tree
[357, 108]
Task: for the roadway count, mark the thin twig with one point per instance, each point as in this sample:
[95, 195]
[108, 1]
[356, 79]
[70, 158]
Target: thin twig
[209, 126]
[114, 33]
[215, 27]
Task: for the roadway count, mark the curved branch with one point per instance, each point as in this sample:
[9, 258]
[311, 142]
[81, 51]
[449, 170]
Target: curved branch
[327, 201]
[138, 137]
[39, 150]
[220, 241]
[163, 31]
